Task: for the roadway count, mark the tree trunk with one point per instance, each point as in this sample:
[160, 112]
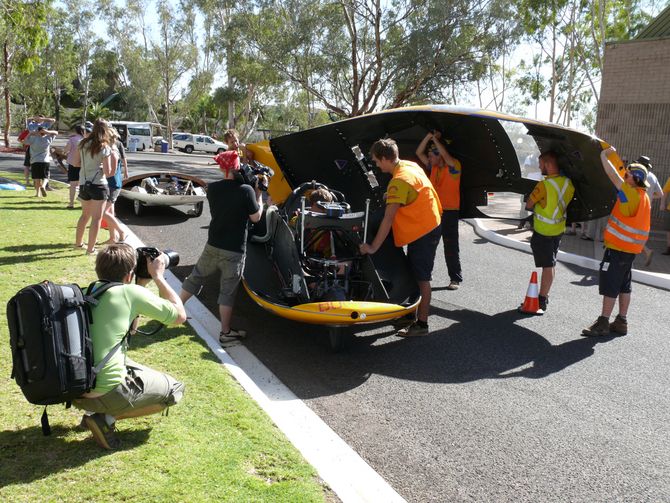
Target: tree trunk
[6, 72]
[231, 103]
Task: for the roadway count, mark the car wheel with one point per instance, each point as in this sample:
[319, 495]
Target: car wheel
[197, 209]
[220, 150]
[188, 149]
[138, 209]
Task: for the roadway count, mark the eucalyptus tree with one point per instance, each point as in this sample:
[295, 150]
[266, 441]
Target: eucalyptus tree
[356, 56]
[81, 16]
[173, 55]
[22, 35]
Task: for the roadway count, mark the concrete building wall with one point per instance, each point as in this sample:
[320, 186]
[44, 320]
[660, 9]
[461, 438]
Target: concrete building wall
[634, 109]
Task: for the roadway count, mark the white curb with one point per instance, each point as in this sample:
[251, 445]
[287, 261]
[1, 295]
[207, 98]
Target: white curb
[655, 279]
[347, 474]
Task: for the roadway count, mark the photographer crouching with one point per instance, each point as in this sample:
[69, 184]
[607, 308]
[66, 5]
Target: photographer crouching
[123, 388]
[232, 203]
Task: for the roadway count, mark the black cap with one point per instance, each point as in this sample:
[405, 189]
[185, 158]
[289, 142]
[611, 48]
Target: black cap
[645, 161]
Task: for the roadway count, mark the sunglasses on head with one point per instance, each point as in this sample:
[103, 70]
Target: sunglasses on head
[434, 151]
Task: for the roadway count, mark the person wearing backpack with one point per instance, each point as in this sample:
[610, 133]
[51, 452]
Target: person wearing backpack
[123, 388]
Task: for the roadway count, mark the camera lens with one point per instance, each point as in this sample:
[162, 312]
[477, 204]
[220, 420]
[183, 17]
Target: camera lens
[172, 258]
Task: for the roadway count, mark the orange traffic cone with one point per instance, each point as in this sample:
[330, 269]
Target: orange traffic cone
[531, 304]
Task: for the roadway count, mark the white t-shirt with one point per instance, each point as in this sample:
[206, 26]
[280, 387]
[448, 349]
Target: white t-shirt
[654, 186]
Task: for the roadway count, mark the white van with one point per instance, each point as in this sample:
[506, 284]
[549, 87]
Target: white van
[143, 134]
[187, 142]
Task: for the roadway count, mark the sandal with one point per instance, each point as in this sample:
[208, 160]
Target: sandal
[232, 335]
[92, 252]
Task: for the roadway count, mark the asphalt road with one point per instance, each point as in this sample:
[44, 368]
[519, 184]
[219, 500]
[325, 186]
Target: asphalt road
[492, 406]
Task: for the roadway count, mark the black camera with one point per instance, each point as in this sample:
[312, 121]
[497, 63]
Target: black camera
[255, 176]
[150, 252]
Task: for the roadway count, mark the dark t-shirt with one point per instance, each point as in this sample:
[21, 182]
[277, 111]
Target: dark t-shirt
[230, 204]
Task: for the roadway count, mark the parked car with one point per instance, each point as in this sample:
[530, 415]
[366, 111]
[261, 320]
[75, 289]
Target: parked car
[187, 142]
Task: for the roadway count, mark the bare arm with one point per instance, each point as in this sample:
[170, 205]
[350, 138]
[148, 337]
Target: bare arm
[610, 170]
[421, 149]
[156, 268]
[255, 217]
[109, 165]
[443, 150]
[383, 231]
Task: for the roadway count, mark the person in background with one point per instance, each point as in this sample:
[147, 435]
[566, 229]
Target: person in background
[97, 162]
[232, 205]
[413, 213]
[39, 143]
[114, 183]
[665, 209]
[445, 175]
[548, 201]
[231, 138]
[33, 124]
[655, 192]
[72, 170]
[626, 233]
[125, 389]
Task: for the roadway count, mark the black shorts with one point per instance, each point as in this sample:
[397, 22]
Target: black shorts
[421, 254]
[73, 173]
[39, 170]
[91, 192]
[545, 249]
[615, 273]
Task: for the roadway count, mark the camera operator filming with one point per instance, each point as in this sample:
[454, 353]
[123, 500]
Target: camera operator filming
[232, 204]
[126, 389]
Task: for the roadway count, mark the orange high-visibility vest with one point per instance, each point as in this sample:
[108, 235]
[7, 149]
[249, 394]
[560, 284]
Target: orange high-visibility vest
[629, 234]
[422, 215]
[447, 185]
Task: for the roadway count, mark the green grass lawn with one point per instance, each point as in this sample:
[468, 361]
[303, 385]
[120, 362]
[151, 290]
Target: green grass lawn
[216, 445]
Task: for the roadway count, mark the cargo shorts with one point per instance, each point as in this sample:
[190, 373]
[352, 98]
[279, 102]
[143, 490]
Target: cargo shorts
[229, 263]
[142, 387]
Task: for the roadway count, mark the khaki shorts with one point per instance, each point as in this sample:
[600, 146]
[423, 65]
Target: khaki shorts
[141, 388]
[231, 266]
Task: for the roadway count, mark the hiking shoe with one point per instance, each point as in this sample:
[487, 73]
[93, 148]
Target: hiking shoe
[619, 326]
[232, 335]
[103, 434]
[414, 330]
[599, 328]
[453, 285]
[543, 301]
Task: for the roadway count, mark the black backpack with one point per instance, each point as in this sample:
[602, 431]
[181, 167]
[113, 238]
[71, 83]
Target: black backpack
[52, 354]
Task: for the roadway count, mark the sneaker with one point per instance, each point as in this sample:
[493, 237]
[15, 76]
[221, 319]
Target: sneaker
[43, 192]
[543, 301]
[403, 322]
[232, 335]
[599, 328]
[619, 326]
[103, 434]
[453, 285]
[414, 330]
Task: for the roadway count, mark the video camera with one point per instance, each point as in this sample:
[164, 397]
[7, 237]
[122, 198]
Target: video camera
[255, 176]
[152, 253]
